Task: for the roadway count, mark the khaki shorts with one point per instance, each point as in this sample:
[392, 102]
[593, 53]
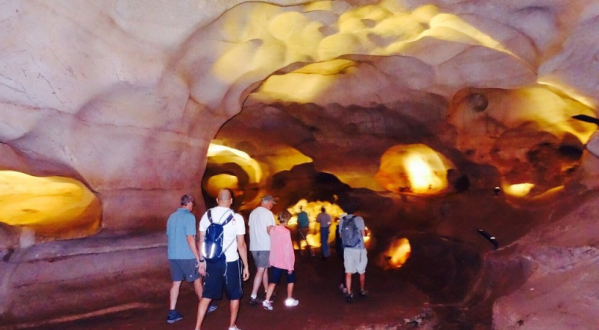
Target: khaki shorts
[355, 260]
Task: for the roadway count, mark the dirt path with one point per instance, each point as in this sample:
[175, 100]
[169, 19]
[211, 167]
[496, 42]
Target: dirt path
[322, 305]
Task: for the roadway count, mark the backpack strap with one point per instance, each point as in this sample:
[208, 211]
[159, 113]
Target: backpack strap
[229, 218]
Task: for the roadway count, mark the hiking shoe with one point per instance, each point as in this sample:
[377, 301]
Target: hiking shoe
[212, 308]
[267, 305]
[349, 297]
[254, 301]
[290, 302]
[173, 316]
[363, 293]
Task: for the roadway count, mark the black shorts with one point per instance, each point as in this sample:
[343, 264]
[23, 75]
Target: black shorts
[184, 269]
[277, 273]
[221, 275]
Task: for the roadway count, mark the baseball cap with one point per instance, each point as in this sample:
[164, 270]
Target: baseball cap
[268, 198]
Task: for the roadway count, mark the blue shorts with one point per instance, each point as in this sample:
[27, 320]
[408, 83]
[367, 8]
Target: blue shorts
[184, 269]
[222, 274]
[277, 273]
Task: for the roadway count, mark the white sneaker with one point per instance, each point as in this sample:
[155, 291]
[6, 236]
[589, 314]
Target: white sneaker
[267, 305]
[290, 302]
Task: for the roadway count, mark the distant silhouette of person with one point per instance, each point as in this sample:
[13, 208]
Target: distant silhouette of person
[261, 221]
[325, 222]
[303, 223]
[282, 260]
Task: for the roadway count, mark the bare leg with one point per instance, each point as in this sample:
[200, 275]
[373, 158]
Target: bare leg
[234, 306]
[348, 282]
[198, 287]
[202, 308]
[258, 278]
[265, 280]
[271, 289]
[174, 294]
[362, 281]
[290, 290]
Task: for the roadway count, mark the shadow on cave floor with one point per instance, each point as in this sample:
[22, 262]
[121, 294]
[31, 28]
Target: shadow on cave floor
[390, 302]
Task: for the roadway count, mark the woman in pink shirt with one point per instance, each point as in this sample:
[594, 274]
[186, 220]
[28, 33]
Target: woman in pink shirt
[282, 258]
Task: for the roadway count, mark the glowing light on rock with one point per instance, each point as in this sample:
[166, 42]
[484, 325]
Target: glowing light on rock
[223, 154]
[53, 206]
[313, 209]
[519, 190]
[397, 254]
[413, 168]
[307, 83]
[221, 181]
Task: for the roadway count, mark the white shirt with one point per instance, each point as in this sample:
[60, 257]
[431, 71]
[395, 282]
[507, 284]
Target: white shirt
[260, 218]
[235, 227]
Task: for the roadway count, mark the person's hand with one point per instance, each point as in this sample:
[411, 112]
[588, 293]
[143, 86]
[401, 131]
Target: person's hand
[246, 274]
[202, 268]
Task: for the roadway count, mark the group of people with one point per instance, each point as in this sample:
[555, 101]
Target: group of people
[271, 247]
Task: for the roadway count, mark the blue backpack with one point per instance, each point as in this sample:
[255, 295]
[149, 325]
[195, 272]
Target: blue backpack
[350, 234]
[212, 247]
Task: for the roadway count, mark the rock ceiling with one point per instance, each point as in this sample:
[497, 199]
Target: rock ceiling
[125, 99]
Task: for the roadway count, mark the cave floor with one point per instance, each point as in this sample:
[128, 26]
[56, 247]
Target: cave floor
[322, 306]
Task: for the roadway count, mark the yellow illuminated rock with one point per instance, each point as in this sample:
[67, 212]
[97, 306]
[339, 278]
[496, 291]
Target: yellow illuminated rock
[413, 168]
[397, 254]
[112, 106]
[54, 207]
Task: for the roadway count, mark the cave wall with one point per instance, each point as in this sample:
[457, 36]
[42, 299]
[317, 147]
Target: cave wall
[126, 97]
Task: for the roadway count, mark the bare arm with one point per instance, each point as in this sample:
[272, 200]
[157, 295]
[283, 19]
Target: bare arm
[243, 254]
[202, 264]
[191, 241]
[268, 228]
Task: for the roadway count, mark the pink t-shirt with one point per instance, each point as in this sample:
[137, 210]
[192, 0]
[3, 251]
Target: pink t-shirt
[281, 248]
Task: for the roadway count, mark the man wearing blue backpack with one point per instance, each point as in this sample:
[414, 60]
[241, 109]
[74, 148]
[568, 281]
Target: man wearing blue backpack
[222, 243]
[352, 231]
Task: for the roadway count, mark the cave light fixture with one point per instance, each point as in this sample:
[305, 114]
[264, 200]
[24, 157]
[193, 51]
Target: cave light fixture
[519, 189]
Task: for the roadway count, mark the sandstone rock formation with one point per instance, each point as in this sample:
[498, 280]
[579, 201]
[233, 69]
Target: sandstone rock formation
[125, 98]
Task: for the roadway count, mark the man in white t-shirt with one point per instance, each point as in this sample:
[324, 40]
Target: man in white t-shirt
[261, 221]
[228, 272]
